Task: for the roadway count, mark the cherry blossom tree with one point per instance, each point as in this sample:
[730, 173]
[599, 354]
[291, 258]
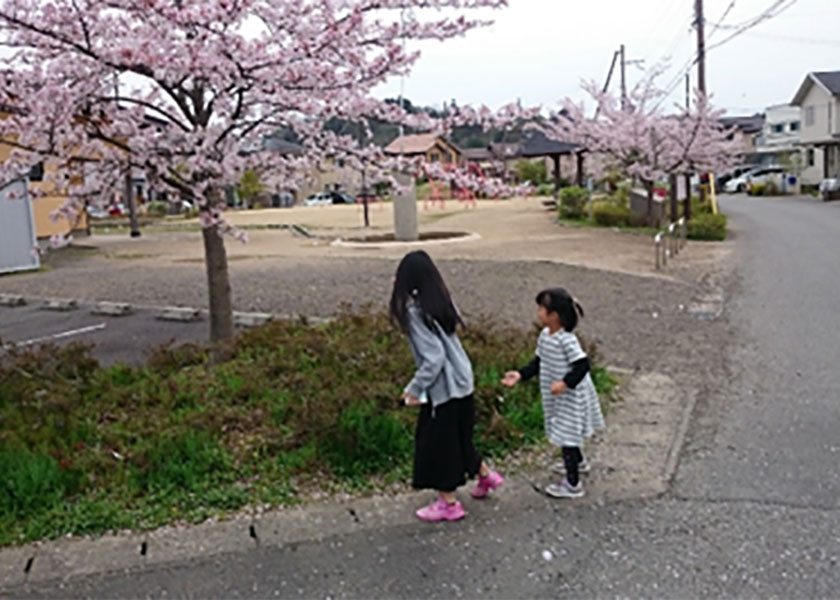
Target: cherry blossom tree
[641, 139]
[187, 92]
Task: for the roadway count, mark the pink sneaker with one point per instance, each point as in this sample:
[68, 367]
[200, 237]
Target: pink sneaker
[487, 484]
[440, 510]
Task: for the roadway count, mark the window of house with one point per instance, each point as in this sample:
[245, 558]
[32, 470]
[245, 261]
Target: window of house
[810, 116]
[810, 157]
[780, 128]
[434, 157]
[36, 173]
[795, 125]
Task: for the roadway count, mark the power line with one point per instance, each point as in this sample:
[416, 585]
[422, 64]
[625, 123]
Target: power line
[778, 6]
[717, 25]
[774, 10]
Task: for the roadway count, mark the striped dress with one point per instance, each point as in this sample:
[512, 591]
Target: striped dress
[575, 415]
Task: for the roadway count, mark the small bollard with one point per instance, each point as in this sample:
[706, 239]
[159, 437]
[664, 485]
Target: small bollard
[60, 304]
[248, 320]
[12, 300]
[657, 245]
[177, 313]
[672, 239]
[112, 309]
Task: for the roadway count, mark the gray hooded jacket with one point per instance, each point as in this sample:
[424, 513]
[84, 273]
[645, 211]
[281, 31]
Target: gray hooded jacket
[443, 371]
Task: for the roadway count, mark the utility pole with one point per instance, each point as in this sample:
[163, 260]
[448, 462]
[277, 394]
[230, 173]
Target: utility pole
[701, 46]
[623, 78]
[687, 91]
[609, 78]
[701, 66]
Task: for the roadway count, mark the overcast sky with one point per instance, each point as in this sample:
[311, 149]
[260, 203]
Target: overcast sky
[540, 50]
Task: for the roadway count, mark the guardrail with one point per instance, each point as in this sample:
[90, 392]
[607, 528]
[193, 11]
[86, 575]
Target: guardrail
[669, 242]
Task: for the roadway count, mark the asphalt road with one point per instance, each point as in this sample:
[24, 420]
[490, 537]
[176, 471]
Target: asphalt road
[125, 339]
[754, 510]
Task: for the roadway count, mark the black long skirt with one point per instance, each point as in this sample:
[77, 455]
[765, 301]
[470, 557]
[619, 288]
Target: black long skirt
[444, 454]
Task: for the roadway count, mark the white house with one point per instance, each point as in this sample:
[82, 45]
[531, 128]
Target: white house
[818, 99]
[780, 143]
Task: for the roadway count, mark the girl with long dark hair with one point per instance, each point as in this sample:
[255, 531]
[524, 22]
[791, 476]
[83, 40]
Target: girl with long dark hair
[444, 454]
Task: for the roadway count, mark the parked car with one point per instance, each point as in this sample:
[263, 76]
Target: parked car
[342, 198]
[322, 199]
[95, 212]
[738, 184]
[328, 198]
[764, 176]
[733, 174]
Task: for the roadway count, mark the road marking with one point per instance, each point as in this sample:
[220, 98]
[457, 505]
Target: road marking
[57, 336]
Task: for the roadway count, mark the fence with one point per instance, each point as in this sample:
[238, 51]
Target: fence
[669, 242]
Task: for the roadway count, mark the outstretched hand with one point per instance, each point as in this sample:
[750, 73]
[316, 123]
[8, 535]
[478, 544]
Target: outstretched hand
[511, 378]
[410, 400]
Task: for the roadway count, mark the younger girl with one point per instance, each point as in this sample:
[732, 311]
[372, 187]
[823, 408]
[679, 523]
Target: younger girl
[443, 384]
[571, 408]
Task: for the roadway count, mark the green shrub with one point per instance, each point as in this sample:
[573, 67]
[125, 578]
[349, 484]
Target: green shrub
[573, 202]
[533, 171]
[158, 209]
[771, 188]
[192, 462]
[367, 440]
[611, 215]
[757, 189]
[707, 227]
[545, 189]
[32, 482]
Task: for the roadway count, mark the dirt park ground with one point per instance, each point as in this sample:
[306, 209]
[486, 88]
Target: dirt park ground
[519, 250]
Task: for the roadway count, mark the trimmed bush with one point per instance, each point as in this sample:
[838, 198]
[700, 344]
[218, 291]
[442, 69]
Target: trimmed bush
[756, 189]
[158, 209]
[707, 227]
[611, 215]
[545, 189]
[573, 201]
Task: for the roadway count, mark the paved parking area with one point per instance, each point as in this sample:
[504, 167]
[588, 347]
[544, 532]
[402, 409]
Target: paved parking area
[116, 339]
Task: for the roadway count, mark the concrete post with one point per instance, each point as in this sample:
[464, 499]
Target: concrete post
[405, 210]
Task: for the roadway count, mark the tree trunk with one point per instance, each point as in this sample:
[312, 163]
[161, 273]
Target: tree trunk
[580, 170]
[132, 206]
[650, 218]
[687, 211]
[218, 286]
[675, 209]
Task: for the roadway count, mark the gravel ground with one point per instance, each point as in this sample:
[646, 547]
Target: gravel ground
[628, 316]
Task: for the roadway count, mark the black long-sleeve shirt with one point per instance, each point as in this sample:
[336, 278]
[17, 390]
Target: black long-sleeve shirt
[579, 370]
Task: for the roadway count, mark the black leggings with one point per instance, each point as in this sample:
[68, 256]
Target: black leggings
[572, 457]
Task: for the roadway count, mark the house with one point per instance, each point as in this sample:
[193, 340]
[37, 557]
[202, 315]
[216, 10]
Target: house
[780, 143]
[433, 148]
[46, 200]
[818, 99]
[746, 130]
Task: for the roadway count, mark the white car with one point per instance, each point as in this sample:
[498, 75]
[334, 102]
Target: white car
[322, 199]
[765, 176]
[738, 184]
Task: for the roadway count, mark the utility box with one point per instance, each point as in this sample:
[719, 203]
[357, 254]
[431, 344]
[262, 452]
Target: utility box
[18, 245]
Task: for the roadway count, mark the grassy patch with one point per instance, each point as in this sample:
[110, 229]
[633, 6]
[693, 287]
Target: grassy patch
[86, 449]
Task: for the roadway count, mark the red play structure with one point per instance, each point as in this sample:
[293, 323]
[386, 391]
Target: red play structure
[461, 193]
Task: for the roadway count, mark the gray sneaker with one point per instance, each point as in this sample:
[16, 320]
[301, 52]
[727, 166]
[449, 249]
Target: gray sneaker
[584, 468]
[565, 490]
